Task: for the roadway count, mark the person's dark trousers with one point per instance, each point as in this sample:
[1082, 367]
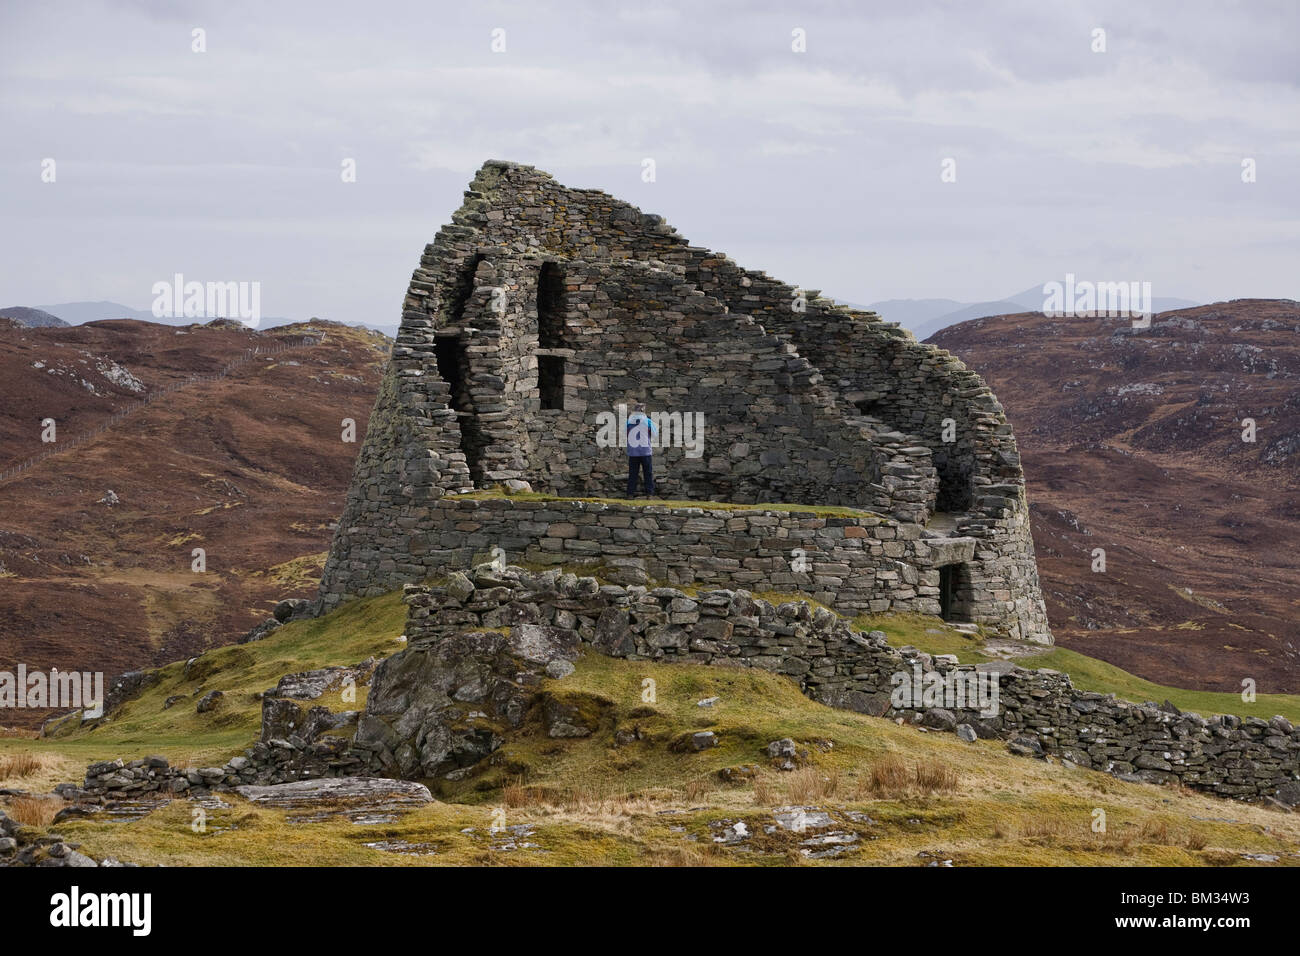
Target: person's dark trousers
[644, 464]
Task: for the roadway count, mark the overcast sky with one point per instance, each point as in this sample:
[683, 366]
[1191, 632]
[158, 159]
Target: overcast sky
[822, 168]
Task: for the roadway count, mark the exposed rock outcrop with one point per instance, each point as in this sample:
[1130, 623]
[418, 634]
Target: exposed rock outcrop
[480, 644]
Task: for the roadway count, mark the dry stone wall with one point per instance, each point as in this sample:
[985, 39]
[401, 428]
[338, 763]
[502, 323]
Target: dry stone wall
[481, 643]
[771, 431]
[855, 563]
[882, 371]
[540, 307]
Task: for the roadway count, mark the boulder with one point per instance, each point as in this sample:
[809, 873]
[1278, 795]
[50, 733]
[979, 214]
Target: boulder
[559, 669]
[567, 718]
[541, 644]
[785, 747]
[261, 631]
[1289, 793]
[300, 793]
[1024, 746]
[614, 635]
[940, 718]
[459, 586]
[291, 609]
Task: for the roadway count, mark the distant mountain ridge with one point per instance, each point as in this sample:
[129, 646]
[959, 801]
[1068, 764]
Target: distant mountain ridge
[925, 317]
[79, 313]
[32, 318]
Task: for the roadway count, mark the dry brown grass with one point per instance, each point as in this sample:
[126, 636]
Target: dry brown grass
[594, 802]
[802, 787]
[809, 785]
[37, 771]
[1155, 831]
[687, 854]
[19, 765]
[35, 811]
[554, 798]
[515, 795]
[765, 794]
[696, 789]
[1073, 831]
[1221, 858]
[1058, 830]
[932, 776]
[1050, 828]
[888, 776]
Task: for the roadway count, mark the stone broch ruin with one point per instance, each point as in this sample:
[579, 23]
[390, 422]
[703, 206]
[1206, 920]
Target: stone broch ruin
[541, 306]
[825, 407]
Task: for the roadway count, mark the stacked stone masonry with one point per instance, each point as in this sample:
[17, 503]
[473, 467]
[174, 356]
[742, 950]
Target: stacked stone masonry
[541, 307]
[480, 644]
[855, 563]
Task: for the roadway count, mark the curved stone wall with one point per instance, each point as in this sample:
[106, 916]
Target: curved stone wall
[804, 401]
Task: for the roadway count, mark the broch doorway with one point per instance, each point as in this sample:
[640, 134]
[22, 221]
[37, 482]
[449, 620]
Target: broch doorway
[955, 592]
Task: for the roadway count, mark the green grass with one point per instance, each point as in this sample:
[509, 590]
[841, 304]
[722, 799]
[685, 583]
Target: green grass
[652, 801]
[925, 633]
[357, 630]
[1086, 673]
[594, 803]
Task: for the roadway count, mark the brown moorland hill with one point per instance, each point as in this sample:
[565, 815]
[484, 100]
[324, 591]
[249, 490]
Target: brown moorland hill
[1131, 439]
[250, 467]
[1132, 442]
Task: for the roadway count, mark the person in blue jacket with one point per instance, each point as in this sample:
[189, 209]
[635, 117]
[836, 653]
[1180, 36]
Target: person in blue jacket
[640, 450]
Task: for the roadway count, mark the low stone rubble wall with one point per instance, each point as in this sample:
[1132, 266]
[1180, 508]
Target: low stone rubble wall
[298, 741]
[22, 845]
[480, 646]
[469, 635]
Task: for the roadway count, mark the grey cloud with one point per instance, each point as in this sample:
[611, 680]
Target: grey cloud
[821, 167]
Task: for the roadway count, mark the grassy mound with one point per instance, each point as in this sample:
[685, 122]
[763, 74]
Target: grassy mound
[900, 795]
[635, 790]
[145, 725]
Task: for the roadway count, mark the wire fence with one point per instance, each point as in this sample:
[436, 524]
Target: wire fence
[249, 355]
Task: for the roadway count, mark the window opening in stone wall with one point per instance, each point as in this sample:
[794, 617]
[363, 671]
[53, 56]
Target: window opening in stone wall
[550, 381]
[464, 288]
[453, 365]
[954, 484]
[550, 307]
[550, 336]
